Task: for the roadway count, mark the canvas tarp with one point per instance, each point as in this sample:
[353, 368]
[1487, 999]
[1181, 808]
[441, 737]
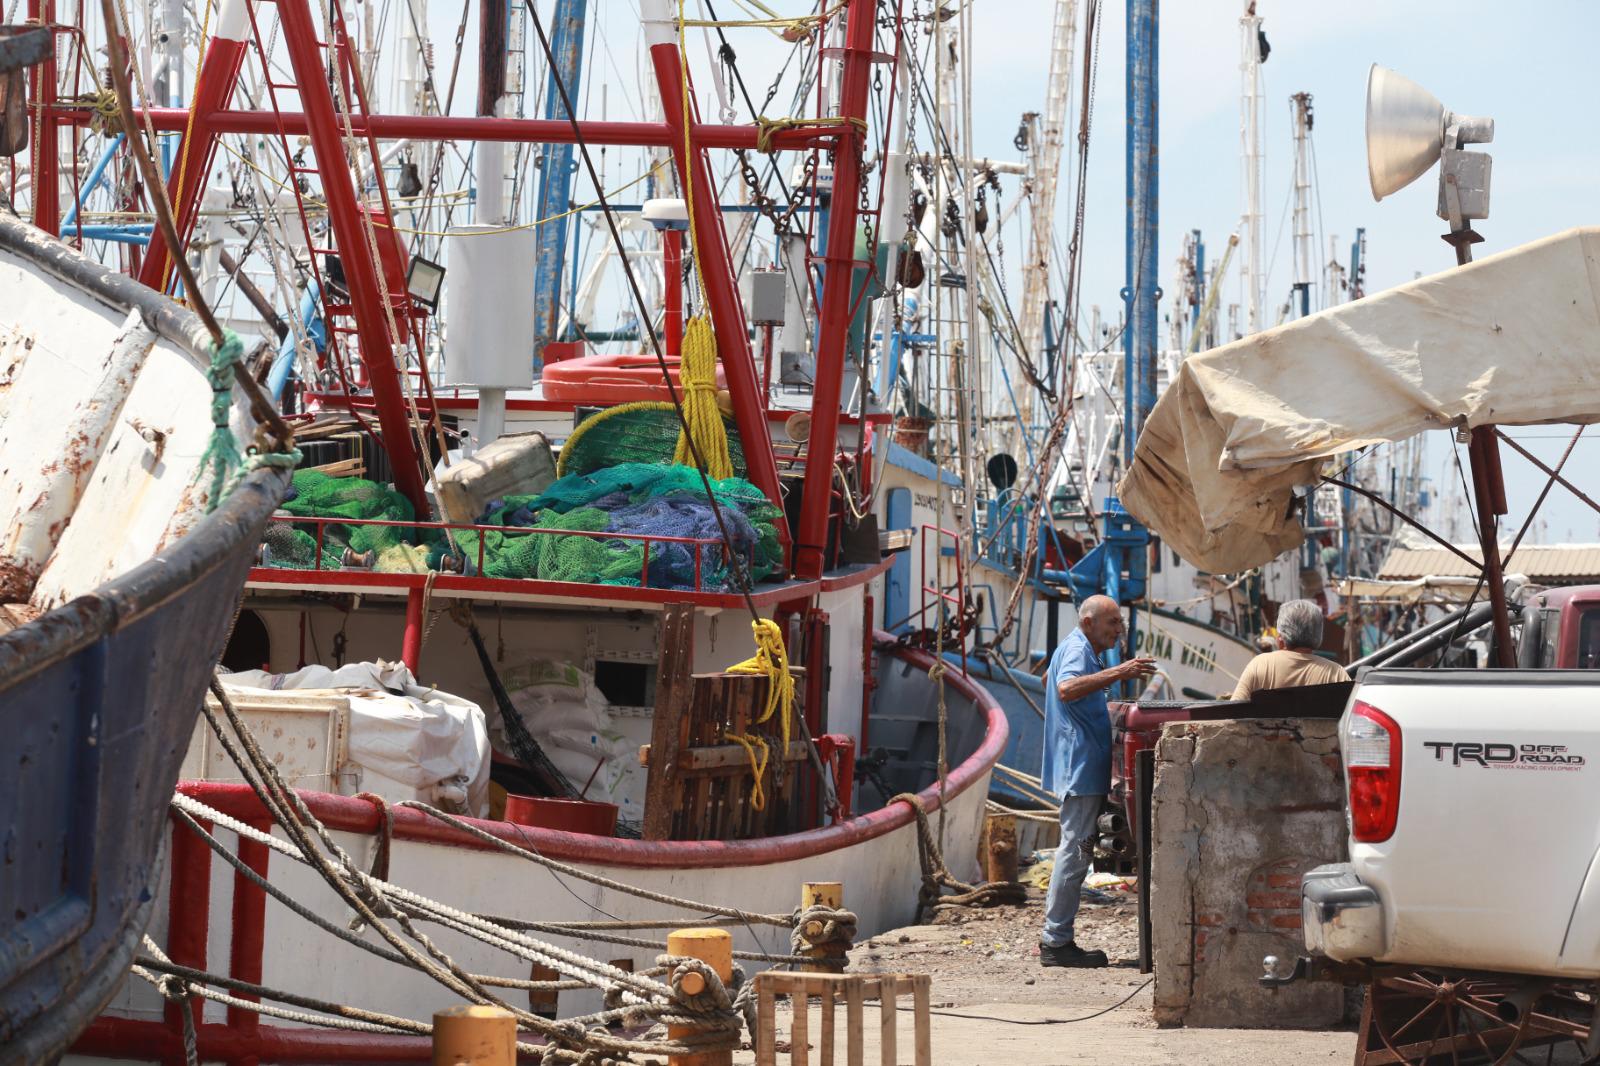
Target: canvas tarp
[1513, 339]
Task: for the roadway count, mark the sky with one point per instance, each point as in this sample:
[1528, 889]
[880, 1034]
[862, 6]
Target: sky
[1531, 69]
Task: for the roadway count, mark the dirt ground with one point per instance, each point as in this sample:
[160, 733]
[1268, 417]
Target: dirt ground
[995, 1005]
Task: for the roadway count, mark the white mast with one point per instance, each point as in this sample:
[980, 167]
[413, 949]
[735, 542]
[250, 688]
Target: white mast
[1300, 104]
[1044, 170]
[1250, 143]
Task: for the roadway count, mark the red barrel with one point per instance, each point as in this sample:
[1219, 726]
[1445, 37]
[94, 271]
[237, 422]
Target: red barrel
[570, 815]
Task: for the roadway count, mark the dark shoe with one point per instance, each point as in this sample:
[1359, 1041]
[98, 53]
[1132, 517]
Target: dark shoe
[1070, 955]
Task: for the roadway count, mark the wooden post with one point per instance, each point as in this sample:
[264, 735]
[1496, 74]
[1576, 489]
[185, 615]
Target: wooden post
[474, 1036]
[822, 894]
[714, 946]
[541, 1001]
[999, 848]
[673, 687]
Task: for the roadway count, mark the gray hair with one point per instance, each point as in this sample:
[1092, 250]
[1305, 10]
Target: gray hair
[1300, 624]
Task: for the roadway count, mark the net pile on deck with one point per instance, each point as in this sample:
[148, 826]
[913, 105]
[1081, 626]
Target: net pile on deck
[316, 495]
[630, 498]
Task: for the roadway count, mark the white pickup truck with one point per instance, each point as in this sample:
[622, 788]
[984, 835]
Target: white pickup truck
[1474, 812]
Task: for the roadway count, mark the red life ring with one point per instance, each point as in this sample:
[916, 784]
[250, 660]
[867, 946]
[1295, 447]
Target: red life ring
[606, 380]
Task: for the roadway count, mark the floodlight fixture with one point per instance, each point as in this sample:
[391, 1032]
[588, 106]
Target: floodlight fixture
[1409, 130]
[424, 282]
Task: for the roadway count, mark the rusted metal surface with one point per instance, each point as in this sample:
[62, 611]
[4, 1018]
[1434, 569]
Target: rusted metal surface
[1425, 1017]
[98, 697]
[22, 47]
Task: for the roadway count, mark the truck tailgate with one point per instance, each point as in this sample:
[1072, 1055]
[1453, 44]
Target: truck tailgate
[1499, 819]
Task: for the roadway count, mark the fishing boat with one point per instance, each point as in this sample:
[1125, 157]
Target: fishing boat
[114, 545]
[722, 478]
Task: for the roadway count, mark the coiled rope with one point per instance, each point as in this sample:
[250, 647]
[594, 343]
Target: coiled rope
[771, 660]
[697, 374]
[936, 877]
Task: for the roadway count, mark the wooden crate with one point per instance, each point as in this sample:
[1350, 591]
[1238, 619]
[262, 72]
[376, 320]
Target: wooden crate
[855, 990]
[699, 782]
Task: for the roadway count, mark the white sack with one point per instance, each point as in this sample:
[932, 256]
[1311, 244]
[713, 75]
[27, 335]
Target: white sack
[571, 719]
[419, 736]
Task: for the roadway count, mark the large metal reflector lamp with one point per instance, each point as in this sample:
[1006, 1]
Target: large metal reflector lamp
[1408, 130]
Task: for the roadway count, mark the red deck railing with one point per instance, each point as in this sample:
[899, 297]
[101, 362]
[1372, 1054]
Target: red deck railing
[645, 539]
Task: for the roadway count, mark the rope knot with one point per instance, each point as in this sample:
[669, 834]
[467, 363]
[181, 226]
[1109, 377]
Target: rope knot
[829, 932]
[222, 451]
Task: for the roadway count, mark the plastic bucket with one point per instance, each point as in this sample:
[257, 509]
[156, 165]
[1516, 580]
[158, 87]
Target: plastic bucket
[569, 815]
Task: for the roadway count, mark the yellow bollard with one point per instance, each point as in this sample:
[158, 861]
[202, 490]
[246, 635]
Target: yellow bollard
[474, 1036]
[714, 946]
[821, 894]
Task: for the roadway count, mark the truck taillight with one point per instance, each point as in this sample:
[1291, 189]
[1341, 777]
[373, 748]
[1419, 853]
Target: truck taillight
[1371, 745]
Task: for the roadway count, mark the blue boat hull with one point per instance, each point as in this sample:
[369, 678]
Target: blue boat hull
[98, 700]
[1013, 690]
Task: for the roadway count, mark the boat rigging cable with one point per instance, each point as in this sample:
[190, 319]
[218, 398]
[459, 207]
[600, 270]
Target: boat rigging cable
[742, 579]
[226, 345]
[1064, 408]
[712, 1009]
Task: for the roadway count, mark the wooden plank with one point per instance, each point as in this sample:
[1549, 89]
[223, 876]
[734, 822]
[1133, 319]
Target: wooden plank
[721, 757]
[889, 1056]
[766, 1023]
[854, 1020]
[353, 467]
[920, 987]
[673, 690]
[799, 1027]
[825, 1038]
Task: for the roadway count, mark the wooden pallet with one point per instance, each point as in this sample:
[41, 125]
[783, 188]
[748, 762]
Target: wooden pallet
[855, 990]
[699, 784]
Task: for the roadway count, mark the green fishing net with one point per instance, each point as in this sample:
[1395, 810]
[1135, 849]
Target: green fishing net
[629, 501]
[633, 433]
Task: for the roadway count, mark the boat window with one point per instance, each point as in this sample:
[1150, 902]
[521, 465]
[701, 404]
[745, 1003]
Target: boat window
[1589, 641]
[626, 684]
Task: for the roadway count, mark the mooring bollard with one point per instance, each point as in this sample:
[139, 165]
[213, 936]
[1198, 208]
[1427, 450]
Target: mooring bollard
[713, 946]
[474, 1035]
[829, 956]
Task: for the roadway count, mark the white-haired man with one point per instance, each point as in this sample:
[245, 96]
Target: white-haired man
[1077, 763]
[1296, 661]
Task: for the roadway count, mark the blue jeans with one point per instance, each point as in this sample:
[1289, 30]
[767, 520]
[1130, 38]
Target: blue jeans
[1078, 816]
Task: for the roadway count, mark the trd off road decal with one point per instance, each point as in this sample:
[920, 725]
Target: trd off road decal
[1504, 756]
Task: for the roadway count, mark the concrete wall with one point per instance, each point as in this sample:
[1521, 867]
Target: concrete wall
[1241, 810]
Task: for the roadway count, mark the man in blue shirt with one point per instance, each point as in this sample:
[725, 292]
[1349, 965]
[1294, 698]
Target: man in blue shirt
[1077, 763]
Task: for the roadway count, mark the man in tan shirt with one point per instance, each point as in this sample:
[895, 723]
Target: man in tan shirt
[1296, 661]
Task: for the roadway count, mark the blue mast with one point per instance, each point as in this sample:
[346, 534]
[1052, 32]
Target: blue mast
[1119, 564]
[555, 173]
[1141, 291]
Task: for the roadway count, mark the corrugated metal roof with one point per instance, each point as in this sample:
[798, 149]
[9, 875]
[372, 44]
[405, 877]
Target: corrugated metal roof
[1544, 563]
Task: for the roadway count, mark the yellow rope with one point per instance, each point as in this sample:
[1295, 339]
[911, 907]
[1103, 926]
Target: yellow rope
[698, 370]
[697, 374]
[105, 114]
[772, 660]
[595, 419]
[758, 767]
[769, 126]
[774, 21]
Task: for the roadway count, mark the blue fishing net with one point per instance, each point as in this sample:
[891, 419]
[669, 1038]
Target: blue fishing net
[639, 498]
